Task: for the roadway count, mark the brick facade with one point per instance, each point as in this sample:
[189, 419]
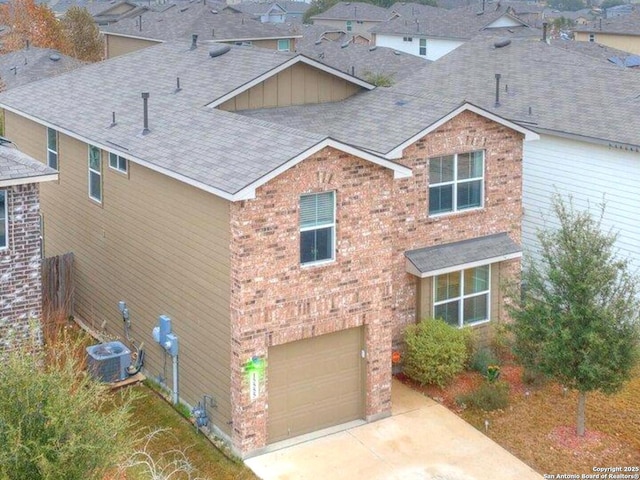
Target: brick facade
[274, 300]
[20, 277]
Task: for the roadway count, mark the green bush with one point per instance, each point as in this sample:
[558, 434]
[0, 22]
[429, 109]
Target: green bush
[56, 422]
[481, 359]
[489, 396]
[532, 378]
[435, 352]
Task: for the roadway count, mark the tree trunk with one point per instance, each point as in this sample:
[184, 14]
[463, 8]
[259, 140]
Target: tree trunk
[582, 401]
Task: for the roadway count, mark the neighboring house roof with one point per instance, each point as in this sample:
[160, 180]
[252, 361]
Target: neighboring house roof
[544, 86]
[258, 8]
[292, 7]
[622, 25]
[31, 64]
[455, 256]
[460, 23]
[17, 168]
[596, 50]
[365, 12]
[182, 21]
[349, 57]
[411, 9]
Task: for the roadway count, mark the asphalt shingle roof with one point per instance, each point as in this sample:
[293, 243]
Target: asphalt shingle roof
[359, 59]
[15, 165]
[622, 25]
[354, 11]
[28, 65]
[543, 87]
[206, 21]
[442, 257]
[215, 148]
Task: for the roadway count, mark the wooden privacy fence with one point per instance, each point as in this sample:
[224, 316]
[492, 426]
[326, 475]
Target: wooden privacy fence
[58, 285]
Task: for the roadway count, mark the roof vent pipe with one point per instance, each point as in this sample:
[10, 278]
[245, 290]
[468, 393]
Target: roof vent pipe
[145, 110]
[177, 85]
[140, 22]
[497, 90]
[483, 4]
[194, 41]
[113, 120]
[544, 31]
[26, 46]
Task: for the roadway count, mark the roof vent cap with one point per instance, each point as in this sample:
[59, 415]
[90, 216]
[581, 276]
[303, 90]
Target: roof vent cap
[54, 57]
[218, 50]
[502, 43]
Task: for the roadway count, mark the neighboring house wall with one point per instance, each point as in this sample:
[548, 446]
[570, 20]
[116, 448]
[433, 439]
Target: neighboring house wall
[116, 45]
[298, 85]
[275, 300]
[627, 43]
[435, 47]
[503, 22]
[156, 243]
[551, 167]
[20, 278]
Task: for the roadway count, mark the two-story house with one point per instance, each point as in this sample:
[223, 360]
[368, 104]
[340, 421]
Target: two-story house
[20, 246]
[288, 257]
[621, 32]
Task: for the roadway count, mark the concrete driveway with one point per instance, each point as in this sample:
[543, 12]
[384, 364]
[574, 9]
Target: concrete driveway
[422, 440]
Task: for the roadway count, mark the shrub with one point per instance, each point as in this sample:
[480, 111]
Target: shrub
[489, 396]
[501, 341]
[56, 422]
[481, 359]
[435, 352]
[533, 378]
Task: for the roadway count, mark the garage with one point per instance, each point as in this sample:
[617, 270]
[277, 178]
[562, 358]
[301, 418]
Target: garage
[315, 383]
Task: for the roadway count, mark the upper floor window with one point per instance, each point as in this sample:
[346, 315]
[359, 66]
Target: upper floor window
[95, 173]
[407, 39]
[592, 37]
[349, 25]
[423, 47]
[4, 220]
[456, 182]
[117, 162]
[317, 227]
[284, 45]
[462, 298]
[52, 148]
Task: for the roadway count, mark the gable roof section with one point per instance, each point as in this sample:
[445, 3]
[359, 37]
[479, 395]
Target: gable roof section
[17, 168]
[588, 98]
[621, 25]
[384, 121]
[219, 152]
[28, 65]
[283, 66]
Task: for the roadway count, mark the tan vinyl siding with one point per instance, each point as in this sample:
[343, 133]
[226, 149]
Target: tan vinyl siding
[627, 43]
[300, 84]
[159, 244]
[117, 45]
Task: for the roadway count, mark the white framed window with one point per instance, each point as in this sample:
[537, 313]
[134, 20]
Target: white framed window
[284, 45]
[95, 173]
[317, 228]
[118, 163]
[349, 25]
[52, 148]
[456, 182]
[407, 39]
[423, 47]
[592, 37]
[463, 298]
[4, 219]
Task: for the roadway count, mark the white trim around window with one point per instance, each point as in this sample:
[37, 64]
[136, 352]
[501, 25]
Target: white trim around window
[118, 163]
[317, 228]
[456, 182]
[52, 148]
[284, 45]
[95, 173]
[463, 298]
[4, 219]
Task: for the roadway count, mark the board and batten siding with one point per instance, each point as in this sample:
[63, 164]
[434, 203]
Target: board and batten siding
[299, 84]
[158, 244]
[116, 45]
[590, 173]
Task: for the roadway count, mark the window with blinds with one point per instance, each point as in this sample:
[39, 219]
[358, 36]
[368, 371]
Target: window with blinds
[317, 227]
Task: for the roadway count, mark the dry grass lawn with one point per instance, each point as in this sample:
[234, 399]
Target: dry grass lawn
[538, 426]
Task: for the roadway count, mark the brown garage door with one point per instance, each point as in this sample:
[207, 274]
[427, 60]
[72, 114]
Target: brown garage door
[315, 383]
